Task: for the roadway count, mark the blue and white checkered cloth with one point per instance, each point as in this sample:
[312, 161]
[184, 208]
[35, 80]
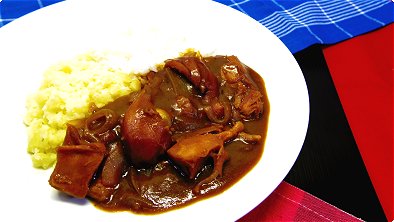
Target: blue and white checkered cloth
[298, 23]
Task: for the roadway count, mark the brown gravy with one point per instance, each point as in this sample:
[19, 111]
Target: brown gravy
[164, 186]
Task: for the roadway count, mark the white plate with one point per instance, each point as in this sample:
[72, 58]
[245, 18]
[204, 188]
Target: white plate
[32, 43]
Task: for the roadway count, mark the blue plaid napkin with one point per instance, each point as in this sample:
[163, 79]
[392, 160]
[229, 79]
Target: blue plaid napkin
[301, 23]
[298, 23]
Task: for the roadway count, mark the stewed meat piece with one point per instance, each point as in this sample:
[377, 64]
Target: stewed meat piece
[84, 152]
[195, 70]
[191, 152]
[113, 167]
[145, 132]
[247, 99]
[75, 167]
[198, 74]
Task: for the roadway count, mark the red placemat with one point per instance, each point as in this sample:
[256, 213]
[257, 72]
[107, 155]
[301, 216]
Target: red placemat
[362, 71]
[289, 203]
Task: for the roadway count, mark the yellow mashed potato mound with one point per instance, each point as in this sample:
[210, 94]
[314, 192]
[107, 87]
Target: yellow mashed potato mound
[66, 93]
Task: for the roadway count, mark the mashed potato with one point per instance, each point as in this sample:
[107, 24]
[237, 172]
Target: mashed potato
[67, 91]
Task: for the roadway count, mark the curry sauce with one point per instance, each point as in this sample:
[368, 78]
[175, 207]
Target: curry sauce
[208, 120]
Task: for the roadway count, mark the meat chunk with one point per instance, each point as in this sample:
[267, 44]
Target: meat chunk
[146, 133]
[112, 170]
[198, 74]
[185, 107]
[247, 99]
[75, 167]
[195, 70]
[113, 165]
[249, 103]
[190, 153]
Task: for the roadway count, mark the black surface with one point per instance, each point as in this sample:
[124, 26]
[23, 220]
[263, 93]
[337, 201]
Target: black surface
[330, 165]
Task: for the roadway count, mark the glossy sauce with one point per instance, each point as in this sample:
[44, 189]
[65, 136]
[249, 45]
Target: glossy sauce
[164, 187]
